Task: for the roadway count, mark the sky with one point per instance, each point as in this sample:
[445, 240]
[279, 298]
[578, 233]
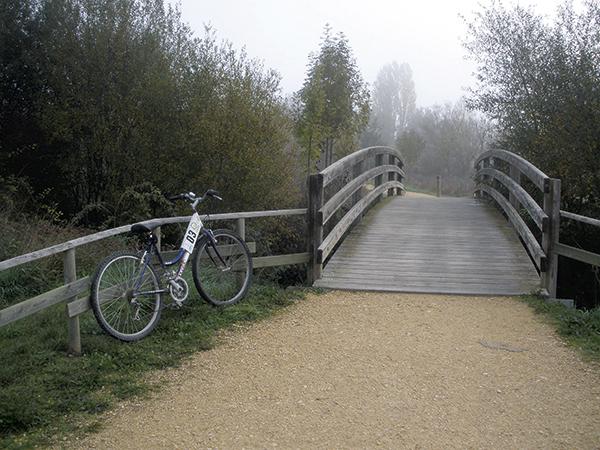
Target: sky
[426, 34]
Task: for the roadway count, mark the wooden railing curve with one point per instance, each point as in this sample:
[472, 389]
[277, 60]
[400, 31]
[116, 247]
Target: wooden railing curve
[546, 217]
[74, 288]
[387, 174]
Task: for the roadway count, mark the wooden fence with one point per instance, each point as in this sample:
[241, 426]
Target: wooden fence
[351, 175]
[491, 182]
[74, 288]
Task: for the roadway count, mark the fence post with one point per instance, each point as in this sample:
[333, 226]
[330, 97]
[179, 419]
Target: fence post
[70, 275]
[157, 233]
[315, 226]
[439, 185]
[515, 174]
[240, 229]
[551, 235]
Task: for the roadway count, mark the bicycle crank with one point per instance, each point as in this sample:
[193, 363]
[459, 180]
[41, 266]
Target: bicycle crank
[179, 290]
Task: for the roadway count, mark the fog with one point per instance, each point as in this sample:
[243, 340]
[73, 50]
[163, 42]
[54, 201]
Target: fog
[426, 34]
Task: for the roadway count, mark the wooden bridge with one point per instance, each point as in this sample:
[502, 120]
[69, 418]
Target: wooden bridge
[363, 234]
[434, 245]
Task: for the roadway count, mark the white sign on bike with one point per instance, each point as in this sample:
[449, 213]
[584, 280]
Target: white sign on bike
[192, 233]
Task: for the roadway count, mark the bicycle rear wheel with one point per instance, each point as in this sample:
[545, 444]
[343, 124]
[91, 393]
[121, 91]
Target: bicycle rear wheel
[118, 300]
[223, 274]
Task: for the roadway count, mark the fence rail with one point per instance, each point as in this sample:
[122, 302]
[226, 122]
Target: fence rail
[491, 182]
[74, 288]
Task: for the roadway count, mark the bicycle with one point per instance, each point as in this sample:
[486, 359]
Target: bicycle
[126, 292]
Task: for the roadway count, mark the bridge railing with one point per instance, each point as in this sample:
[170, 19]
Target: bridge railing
[491, 182]
[337, 185]
[75, 288]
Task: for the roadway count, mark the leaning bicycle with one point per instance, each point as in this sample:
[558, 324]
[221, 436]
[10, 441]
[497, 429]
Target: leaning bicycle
[127, 288]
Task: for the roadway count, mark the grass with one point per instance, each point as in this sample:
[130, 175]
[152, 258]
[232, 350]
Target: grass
[46, 394]
[580, 328]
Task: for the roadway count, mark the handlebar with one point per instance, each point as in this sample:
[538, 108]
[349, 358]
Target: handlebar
[195, 200]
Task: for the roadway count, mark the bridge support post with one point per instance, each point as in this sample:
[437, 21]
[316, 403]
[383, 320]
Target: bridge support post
[315, 227]
[379, 178]
[392, 176]
[70, 275]
[515, 174]
[550, 237]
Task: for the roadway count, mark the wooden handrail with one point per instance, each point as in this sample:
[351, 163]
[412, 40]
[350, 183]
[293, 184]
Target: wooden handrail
[533, 246]
[579, 218]
[536, 176]
[534, 210]
[322, 210]
[338, 199]
[84, 240]
[547, 219]
[339, 167]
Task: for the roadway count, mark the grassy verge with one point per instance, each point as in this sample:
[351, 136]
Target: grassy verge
[46, 394]
[579, 328]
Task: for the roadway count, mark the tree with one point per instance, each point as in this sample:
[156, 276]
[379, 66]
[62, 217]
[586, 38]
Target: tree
[394, 100]
[102, 96]
[540, 82]
[443, 140]
[334, 100]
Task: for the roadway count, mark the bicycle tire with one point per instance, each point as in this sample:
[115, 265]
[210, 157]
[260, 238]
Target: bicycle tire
[217, 284]
[112, 300]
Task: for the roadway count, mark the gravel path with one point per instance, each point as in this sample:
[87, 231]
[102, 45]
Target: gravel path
[348, 370]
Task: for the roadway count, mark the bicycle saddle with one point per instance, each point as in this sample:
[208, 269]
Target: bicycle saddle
[145, 227]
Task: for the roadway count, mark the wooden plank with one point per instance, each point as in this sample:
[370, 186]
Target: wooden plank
[529, 239]
[337, 200]
[534, 210]
[342, 226]
[280, 260]
[579, 218]
[578, 254]
[529, 170]
[43, 301]
[59, 248]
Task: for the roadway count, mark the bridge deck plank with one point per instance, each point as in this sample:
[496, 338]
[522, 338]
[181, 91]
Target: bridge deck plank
[432, 245]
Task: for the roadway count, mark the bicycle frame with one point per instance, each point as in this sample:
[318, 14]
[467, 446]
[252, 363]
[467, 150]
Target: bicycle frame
[194, 230]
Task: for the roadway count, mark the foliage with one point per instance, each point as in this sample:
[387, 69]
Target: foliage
[45, 393]
[333, 104]
[581, 328]
[539, 80]
[100, 96]
[443, 140]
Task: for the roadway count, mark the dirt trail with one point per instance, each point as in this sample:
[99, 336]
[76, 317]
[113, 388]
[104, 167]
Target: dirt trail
[348, 370]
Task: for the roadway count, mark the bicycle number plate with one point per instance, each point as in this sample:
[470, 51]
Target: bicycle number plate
[191, 235]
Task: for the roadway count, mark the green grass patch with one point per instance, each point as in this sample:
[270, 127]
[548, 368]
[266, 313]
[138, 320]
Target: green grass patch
[580, 328]
[46, 394]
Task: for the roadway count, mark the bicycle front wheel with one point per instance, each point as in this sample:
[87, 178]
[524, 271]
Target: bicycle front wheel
[124, 297]
[222, 272]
